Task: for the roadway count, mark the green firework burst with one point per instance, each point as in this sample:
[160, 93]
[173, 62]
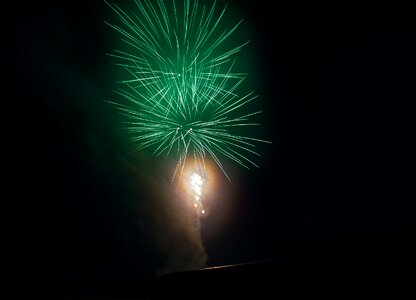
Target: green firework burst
[182, 96]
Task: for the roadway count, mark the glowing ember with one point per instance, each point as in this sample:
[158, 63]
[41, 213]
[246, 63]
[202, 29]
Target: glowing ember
[196, 184]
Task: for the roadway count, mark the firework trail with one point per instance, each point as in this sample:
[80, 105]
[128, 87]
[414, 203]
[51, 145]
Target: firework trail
[181, 96]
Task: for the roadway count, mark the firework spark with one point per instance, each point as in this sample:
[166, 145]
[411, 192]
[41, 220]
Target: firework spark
[197, 185]
[181, 97]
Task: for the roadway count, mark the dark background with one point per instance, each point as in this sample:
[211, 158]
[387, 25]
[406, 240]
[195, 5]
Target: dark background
[333, 201]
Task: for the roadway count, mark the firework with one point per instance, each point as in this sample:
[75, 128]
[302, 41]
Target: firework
[181, 96]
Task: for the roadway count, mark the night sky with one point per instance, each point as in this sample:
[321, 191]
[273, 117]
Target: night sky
[335, 189]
